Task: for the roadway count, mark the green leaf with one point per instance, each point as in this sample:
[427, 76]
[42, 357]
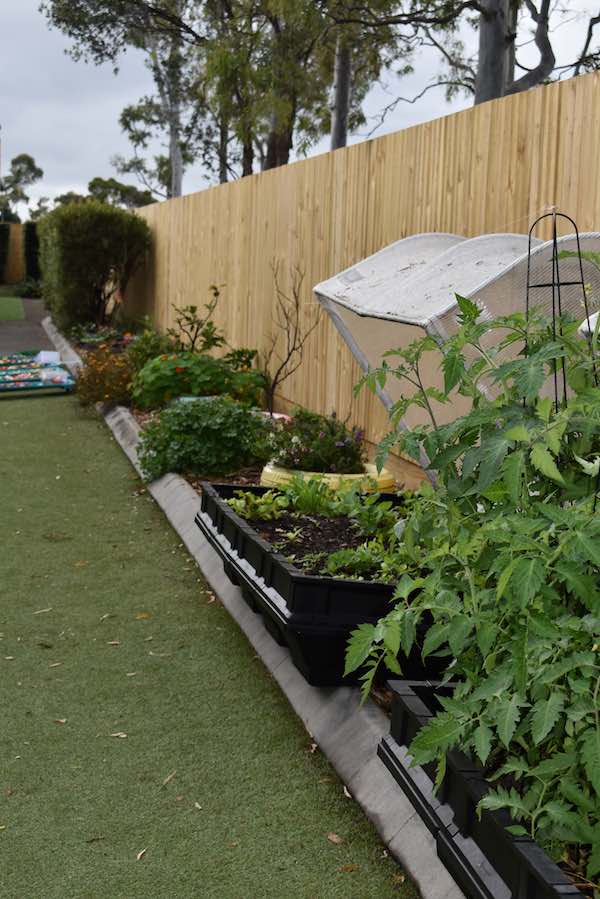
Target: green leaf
[575, 794]
[520, 667]
[588, 546]
[542, 460]
[518, 433]
[391, 637]
[359, 646]
[507, 718]
[492, 453]
[408, 631]
[556, 764]
[494, 685]
[593, 866]
[544, 408]
[436, 635]
[527, 578]
[458, 631]
[545, 715]
[436, 736]
[590, 468]
[453, 366]
[517, 830]
[486, 635]
[469, 309]
[483, 738]
[505, 578]
[590, 753]
[529, 376]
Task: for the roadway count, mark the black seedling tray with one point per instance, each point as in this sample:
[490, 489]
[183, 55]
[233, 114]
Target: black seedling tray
[312, 615]
[520, 868]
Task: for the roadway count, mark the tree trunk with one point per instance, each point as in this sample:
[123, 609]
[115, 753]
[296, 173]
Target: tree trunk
[223, 151]
[340, 107]
[511, 34]
[492, 61]
[175, 155]
[247, 156]
[279, 144]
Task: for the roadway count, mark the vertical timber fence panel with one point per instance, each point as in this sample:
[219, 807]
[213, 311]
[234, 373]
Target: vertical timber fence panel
[491, 168]
[14, 270]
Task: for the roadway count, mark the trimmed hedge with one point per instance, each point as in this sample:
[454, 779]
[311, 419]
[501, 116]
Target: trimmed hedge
[88, 253]
[31, 251]
[4, 242]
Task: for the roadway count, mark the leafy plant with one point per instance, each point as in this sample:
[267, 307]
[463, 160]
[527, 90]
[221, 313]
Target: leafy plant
[180, 374]
[29, 288]
[148, 345]
[502, 559]
[312, 442]
[267, 507]
[197, 333]
[208, 436]
[88, 253]
[105, 378]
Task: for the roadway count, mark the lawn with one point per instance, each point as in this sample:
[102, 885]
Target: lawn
[11, 309]
[146, 751]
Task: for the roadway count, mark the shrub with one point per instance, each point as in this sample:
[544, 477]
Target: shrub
[197, 333]
[88, 253]
[31, 252]
[105, 378]
[4, 241]
[208, 436]
[188, 374]
[312, 442]
[147, 346]
[28, 288]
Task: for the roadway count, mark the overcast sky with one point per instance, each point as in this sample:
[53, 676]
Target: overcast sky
[65, 113]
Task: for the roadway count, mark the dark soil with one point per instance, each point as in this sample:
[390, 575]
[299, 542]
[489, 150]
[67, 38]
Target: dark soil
[307, 540]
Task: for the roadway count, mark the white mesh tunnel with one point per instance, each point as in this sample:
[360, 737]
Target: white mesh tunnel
[408, 289]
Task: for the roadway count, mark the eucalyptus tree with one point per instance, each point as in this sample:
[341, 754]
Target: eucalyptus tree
[22, 173]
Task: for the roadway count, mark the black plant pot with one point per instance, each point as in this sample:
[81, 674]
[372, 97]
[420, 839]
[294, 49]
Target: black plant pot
[520, 869]
[313, 616]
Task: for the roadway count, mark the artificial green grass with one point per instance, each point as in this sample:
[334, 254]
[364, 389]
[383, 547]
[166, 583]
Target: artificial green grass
[106, 630]
[11, 309]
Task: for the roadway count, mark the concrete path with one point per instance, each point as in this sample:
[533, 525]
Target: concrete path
[27, 334]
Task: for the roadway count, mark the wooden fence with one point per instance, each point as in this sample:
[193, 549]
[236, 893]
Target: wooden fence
[14, 270]
[492, 168]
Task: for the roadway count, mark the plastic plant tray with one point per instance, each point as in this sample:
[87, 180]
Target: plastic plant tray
[485, 859]
[312, 615]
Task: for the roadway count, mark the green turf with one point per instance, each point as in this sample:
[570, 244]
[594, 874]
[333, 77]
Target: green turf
[11, 309]
[106, 626]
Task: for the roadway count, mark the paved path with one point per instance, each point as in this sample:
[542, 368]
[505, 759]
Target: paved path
[27, 334]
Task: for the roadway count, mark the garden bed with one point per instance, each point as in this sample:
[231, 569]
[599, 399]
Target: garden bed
[313, 615]
[521, 868]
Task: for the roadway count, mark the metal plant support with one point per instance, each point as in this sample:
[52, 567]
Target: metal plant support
[556, 284]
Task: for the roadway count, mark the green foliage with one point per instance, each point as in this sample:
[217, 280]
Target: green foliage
[88, 253]
[4, 241]
[312, 442]
[147, 346]
[28, 288]
[503, 558]
[197, 333]
[190, 374]
[374, 559]
[105, 378]
[31, 252]
[208, 436]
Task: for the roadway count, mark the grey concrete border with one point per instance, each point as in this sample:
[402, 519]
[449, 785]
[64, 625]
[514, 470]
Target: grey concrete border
[347, 733]
[71, 359]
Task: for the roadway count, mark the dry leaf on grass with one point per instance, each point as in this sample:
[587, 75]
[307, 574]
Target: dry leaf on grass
[335, 838]
[41, 611]
[106, 615]
[348, 868]
[55, 664]
[113, 643]
[168, 779]
[347, 793]
[9, 658]
[140, 854]
[143, 616]
[60, 720]
[121, 734]
[80, 563]
[399, 878]
[313, 748]
[132, 673]
[198, 806]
